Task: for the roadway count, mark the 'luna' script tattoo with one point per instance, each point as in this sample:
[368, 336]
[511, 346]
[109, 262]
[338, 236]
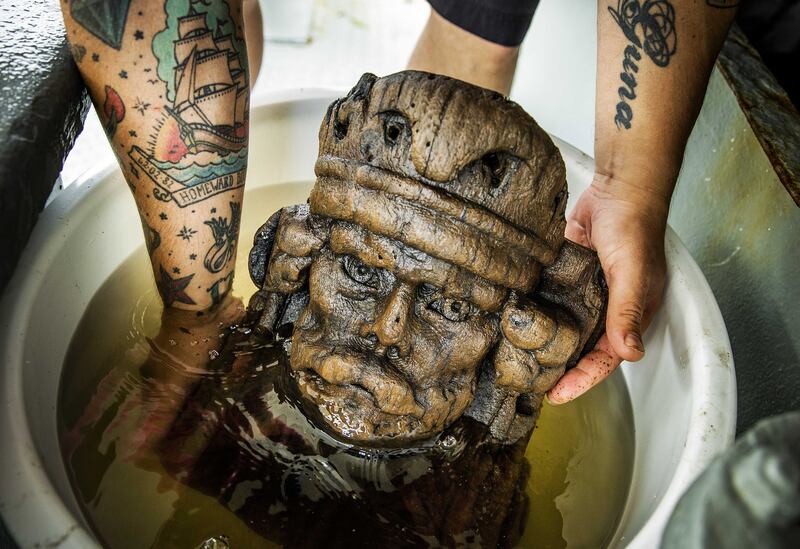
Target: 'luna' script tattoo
[225, 235]
[199, 146]
[649, 25]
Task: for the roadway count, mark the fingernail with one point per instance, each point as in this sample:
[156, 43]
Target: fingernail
[634, 342]
[553, 400]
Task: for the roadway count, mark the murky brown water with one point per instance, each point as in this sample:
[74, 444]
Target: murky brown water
[163, 451]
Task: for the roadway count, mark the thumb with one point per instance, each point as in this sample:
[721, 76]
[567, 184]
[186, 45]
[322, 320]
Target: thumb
[627, 294]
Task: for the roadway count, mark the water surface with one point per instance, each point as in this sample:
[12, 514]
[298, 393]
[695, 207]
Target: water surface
[165, 451]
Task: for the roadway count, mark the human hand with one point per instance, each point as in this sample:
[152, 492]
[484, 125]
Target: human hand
[625, 224]
[179, 358]
[187, 340]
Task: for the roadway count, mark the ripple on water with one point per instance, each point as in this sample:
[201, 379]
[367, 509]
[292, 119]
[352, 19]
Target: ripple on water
[163, 452]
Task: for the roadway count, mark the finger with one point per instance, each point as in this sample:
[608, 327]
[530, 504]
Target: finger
[627, 296]
[577, 232]
[593, 368]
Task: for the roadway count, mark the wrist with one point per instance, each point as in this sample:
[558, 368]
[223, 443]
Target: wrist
[638, 192]
[644, 170]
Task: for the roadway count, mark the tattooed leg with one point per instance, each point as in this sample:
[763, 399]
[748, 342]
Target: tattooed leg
[170, 82]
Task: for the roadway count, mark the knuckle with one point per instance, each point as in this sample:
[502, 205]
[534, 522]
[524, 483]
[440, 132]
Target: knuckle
[630, 313]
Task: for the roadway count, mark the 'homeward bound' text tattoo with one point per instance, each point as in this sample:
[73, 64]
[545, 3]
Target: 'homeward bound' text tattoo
[649, 25]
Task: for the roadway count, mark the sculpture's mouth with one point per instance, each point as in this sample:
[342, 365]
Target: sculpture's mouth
[357, 398]
[354, 412]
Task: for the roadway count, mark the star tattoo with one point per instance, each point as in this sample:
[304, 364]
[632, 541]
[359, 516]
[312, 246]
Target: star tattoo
[176, 270]
[213, 210]
[141, 106]
[173, 289]
[95, 57]
[138, 35]
[132, 133]
[186, 233]
[123, 74]
[193, 256]
[163, 216]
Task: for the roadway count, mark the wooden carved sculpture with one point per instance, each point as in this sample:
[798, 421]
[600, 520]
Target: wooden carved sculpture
[428, 277]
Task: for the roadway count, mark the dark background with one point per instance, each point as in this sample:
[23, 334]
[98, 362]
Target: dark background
[773, 27]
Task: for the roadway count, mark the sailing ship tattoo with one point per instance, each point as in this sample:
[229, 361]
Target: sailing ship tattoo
[204, 134]
[211, 94]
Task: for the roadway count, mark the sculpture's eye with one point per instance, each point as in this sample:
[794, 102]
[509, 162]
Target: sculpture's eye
[394, 127]
[427, 292]
[360, 272]
[340, 127]
[454, 310]
[495, 165]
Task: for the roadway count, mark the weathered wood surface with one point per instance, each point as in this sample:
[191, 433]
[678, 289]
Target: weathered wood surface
[773, 117]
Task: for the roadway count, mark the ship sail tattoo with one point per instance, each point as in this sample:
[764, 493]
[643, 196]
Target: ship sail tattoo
[225, 236]
[203, 138]
[211, 95]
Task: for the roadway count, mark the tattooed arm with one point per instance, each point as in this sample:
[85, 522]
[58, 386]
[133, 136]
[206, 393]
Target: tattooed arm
[654, 58]
[169, 80]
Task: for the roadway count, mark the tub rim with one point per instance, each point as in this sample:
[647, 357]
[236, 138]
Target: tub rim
[28, 491]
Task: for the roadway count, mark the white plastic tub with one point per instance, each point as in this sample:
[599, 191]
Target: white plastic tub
[683, 393]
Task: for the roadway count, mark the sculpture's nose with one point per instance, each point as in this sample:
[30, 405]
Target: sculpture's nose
[391, 323]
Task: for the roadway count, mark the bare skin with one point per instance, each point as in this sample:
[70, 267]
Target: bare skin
[170, 82]
[254, 36]
[444, 48]
[623, 214]
[638, 150]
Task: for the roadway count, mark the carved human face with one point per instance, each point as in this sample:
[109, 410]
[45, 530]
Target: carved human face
[433, 237]
[385, 349]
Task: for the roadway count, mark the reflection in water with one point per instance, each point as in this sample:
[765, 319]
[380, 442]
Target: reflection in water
[167, 448]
